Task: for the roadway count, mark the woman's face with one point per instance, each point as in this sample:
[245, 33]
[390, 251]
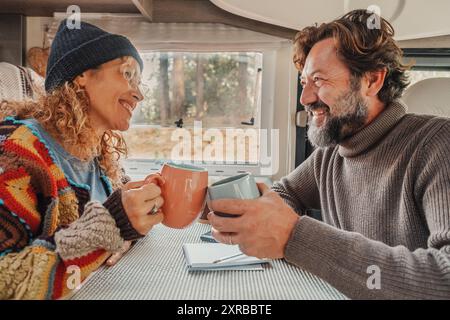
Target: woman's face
[113, 91]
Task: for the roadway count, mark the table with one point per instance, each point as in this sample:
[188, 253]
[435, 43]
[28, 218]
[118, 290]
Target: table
[155, 268]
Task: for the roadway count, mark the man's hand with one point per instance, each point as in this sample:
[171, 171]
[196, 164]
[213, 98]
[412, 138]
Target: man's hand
[263, 227]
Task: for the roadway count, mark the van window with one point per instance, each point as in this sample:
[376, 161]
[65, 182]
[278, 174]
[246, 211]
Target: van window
[208, 97]
[427, 64]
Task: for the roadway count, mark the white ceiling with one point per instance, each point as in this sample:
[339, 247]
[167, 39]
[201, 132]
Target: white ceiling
[412, 19]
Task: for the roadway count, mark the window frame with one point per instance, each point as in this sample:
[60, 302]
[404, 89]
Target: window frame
[140, 168]
[428, 58]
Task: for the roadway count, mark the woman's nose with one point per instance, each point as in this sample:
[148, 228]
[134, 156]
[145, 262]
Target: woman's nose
[308, 96]
[137, 95]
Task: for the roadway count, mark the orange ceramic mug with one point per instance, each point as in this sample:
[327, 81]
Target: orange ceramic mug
[184, 193]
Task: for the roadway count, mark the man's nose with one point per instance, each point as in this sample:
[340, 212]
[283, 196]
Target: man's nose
[309, 95]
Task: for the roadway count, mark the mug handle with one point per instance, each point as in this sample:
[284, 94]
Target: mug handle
[156, 178]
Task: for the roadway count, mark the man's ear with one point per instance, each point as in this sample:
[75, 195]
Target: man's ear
[375, 81]
[81, 80]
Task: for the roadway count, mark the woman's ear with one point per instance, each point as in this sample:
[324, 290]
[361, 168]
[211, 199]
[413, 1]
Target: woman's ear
[81, 80]
[375, 81]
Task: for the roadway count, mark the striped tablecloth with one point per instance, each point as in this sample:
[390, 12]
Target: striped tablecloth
[155, 268]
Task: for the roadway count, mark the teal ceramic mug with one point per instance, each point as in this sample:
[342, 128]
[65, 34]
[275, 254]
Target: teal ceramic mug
[242, 186]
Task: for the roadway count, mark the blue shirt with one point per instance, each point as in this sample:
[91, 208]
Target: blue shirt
[85, 174]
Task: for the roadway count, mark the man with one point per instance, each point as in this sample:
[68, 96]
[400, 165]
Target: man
[380, 176]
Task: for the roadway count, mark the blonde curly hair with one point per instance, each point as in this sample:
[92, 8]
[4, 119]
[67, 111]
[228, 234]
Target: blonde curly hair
[63, 113]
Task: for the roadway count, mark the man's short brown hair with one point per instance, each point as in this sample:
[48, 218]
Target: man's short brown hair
[362, 49]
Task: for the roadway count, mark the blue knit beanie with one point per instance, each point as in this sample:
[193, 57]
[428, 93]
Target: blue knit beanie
[74, 51]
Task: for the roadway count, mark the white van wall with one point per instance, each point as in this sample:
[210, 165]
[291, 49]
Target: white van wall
[285, 110]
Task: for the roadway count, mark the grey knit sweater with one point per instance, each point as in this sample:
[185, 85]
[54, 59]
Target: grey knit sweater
[385, 200]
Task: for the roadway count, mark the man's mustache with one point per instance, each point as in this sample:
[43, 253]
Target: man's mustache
[316, 106]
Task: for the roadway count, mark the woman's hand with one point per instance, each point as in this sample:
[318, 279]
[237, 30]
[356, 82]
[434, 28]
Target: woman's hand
[140, 199]
[115, 257]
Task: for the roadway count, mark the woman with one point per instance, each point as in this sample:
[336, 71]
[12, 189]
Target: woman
[65, 205]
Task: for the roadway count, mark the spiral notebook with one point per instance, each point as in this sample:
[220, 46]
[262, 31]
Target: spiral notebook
[201, 257]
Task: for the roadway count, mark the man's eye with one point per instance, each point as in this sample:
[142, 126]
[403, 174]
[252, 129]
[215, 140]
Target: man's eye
[318, 81]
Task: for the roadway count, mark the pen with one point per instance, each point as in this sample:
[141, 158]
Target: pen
[229, 257]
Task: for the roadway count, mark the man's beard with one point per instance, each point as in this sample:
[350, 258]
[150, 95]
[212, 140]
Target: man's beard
[350, 115]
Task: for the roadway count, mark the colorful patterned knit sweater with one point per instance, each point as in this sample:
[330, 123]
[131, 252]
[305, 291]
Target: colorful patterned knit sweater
[49, 231]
